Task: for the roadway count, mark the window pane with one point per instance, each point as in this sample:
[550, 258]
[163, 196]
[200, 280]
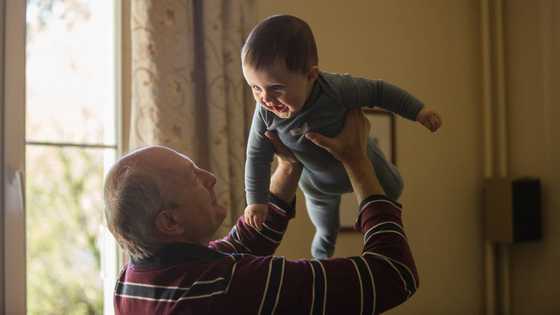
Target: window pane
[64, 215]
[70, 70]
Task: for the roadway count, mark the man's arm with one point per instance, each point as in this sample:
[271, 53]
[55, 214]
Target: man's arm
[243, 238]
[382, 277]
[284, 181]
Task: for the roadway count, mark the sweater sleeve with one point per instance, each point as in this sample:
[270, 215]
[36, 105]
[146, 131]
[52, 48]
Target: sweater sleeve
[244, 239]
[361, 92]
[259, 158]
[382, 277]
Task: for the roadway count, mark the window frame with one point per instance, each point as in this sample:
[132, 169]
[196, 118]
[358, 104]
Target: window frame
[13, 293]
[2, 286]
[13, 162]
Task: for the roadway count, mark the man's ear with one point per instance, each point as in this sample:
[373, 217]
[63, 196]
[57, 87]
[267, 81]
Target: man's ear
[168, 223]
[313, 73]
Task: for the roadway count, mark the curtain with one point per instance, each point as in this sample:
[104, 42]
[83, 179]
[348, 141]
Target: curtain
[187, 87]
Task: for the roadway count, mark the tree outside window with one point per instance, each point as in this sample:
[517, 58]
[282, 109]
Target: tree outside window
[70, 130]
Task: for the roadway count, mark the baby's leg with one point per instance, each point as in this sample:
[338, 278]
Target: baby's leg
[323, 210]
[324, 213]
[388, 175]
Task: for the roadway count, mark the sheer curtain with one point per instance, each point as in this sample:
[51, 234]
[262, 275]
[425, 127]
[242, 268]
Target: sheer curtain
[187, 89]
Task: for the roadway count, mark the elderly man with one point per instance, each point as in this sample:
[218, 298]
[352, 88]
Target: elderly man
[162, 210]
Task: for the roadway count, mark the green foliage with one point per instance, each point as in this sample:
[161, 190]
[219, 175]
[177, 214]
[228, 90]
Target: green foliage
[64, 214]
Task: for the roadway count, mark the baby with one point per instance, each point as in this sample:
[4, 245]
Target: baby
[280, 64]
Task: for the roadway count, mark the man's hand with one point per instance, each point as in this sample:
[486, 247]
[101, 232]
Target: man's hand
[255, 215]
[351, 142]
[429, 118]
[284, 180]
[350, 148]
[283, 154]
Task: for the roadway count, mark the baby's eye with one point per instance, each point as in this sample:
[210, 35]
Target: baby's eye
[256, 88]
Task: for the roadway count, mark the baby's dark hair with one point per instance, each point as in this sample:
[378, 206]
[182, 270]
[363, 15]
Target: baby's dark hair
[281, 36]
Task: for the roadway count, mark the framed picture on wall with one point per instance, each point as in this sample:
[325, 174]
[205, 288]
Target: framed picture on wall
[383, 129]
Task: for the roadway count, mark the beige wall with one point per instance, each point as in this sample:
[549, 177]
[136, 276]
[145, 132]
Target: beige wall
[433, 51]
[533, 81]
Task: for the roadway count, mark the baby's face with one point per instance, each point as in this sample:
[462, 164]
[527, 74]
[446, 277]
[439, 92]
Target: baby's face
[279, 90]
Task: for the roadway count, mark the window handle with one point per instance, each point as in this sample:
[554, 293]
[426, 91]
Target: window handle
[15, 192]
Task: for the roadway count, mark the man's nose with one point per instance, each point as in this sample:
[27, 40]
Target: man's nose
[209, 179]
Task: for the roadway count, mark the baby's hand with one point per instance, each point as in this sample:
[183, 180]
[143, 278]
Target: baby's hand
[429, 118]
[255, 215]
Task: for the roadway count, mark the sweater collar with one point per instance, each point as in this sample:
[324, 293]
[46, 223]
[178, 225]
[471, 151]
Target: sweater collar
[177, 253]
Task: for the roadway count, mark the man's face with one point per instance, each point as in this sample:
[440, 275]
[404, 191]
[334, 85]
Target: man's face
[192, 188]
[279, 90]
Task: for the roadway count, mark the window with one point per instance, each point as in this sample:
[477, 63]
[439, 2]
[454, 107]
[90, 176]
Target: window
[71, 140]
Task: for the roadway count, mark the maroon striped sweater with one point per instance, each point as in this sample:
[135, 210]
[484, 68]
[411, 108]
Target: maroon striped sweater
[238, 275]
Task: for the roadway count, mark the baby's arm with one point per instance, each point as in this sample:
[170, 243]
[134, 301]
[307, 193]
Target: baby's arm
[257, 171]
[360, 92]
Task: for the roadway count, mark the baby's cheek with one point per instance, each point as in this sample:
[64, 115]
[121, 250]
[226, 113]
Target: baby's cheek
[287, 101]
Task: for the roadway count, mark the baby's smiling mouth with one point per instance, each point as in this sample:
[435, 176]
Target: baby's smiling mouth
[280, 108]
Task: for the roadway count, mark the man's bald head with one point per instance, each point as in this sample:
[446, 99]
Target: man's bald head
[137, 187]
[156, 195]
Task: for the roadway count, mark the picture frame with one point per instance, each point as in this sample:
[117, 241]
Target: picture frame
[383, 130]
